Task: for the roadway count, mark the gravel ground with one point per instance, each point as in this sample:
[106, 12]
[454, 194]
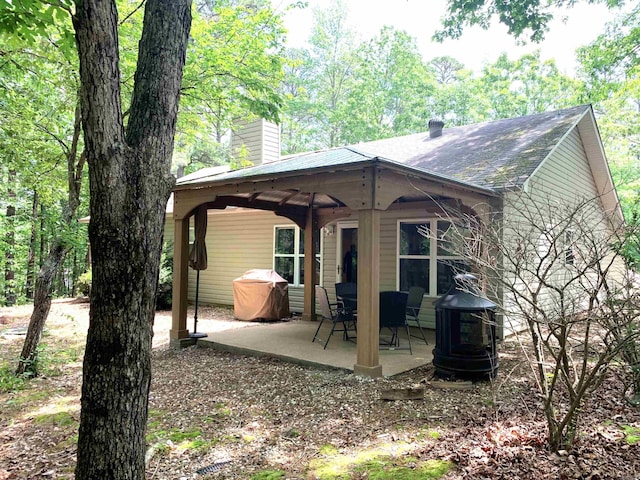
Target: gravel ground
[239, 416]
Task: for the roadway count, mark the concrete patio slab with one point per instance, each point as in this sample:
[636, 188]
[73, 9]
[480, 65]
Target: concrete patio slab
[291, 341]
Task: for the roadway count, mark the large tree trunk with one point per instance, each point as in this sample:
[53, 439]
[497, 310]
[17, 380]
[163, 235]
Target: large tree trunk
[130, 184]
[10, 240]
[33, 242]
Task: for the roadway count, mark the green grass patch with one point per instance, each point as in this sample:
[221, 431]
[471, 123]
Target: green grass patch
[426, 433]
[9, 382]
[52, 362]
[336, 466]
[328, 450]
[389, 468]
[221, 411]
[198, 445]
[177, 436]
[268, 475]
[388, 461]
[631, 434]
[58, 419]
[25, 398]
[181, 440]
[69, 442]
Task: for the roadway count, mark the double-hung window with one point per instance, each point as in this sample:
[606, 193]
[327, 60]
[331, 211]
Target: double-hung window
[288, 253]
[429, 254]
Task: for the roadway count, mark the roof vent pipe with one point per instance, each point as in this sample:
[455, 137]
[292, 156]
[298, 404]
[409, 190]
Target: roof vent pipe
[435, 128]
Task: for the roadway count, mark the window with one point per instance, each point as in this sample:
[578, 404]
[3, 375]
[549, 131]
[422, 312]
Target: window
[288, 254]
[450, 243]
[569, 255]
[414, 255]
[429, 254]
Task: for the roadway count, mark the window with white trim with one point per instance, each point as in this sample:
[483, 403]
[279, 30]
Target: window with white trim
[569, 253]
[288, 253]
[429, 254]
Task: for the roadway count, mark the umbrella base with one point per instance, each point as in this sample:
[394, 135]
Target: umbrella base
[198, 335]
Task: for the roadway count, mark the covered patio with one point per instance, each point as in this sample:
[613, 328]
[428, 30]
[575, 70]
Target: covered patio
[291, 341]
[313, 191]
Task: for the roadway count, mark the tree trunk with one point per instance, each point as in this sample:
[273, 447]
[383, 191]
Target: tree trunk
[27, 363]
[74, 274]
[10, 239]
[50, 267]
[43, 237]
[130, 184]
[33, 242]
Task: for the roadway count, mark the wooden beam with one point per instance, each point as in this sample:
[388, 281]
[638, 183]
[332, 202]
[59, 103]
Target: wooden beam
[328, 215]
[180, 280]
[367, 358]
[184, 202]
[310, 233]
[352, 188]
[287, 198]
[392, 185]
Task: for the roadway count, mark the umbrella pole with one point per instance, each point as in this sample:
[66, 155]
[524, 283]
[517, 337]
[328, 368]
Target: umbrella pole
[195, 333]
[195, 313]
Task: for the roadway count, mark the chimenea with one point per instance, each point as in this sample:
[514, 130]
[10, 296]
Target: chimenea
[465, 332]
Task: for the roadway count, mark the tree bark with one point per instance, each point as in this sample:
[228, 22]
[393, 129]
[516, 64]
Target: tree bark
[130, 180]
[33, 242]
[43, 236]
[10, 239]
[27, 364]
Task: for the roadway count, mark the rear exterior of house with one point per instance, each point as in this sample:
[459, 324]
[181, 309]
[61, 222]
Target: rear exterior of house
[569, 165]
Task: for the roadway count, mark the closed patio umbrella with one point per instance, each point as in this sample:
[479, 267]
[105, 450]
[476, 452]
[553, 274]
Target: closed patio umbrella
[198, 259]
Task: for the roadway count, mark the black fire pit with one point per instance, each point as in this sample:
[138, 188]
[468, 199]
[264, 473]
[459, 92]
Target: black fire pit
[465, 332]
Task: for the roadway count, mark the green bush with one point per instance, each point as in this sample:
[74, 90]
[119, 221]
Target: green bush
[165, 279]
[84, 283]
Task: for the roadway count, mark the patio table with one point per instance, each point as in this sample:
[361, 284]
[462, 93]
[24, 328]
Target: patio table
[398, 301]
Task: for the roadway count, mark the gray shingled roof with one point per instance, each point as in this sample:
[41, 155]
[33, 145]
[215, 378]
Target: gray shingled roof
[493, 155]
[298, 163]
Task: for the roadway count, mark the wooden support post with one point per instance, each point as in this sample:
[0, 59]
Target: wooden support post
[310, 264]
[367, 359]
[180, 282]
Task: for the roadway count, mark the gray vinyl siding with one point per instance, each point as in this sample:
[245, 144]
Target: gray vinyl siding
[566, 174]
[261, 139]
[237, 240]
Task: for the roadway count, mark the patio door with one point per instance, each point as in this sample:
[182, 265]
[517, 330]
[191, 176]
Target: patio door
[347, 252]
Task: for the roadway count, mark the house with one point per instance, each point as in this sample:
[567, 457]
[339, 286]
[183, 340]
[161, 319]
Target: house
[301, 214]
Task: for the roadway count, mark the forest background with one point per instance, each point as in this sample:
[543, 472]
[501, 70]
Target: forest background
[337, 90]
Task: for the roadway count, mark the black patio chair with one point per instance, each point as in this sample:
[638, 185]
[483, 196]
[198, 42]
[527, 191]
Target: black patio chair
[334, 314]
[393, 315]
[349, 290]
[414, 302]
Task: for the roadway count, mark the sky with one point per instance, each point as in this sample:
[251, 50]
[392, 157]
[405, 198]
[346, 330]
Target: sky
[421, 18]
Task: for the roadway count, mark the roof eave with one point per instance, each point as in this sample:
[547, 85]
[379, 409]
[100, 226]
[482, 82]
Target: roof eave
[356, 165]
[270, 176]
